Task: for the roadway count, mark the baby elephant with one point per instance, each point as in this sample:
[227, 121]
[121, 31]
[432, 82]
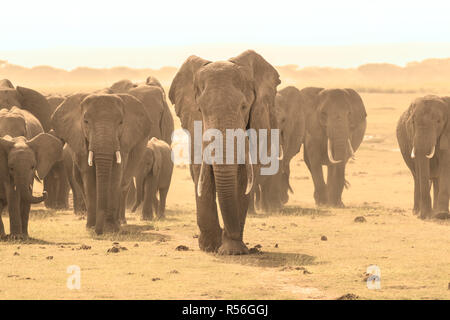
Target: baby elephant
[155, 173]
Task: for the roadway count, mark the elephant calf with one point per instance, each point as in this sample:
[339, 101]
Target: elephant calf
[423, 136]
[154, 174]
[24, 149]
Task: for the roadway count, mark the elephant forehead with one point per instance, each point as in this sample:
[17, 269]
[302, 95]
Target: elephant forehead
[21, 153]
[219, 72]
[103, 105]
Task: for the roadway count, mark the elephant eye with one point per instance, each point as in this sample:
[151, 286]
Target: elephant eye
[121, 122]
[85, 121]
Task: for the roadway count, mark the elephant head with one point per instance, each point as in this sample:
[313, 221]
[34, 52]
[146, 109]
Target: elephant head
[234, 94]
[26, 99]
[102, 129]
[21, 158]
[338, 112]
[425, 125]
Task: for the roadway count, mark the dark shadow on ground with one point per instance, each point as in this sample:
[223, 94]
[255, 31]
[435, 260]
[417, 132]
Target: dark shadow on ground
[294, 211]
[131, 232]
[271, 259]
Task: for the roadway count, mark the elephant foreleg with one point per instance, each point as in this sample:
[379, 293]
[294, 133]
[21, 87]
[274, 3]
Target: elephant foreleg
[90, 191]
[15, 221]
[313, 162]
[335, 184]
[24, 214]
[210, 238]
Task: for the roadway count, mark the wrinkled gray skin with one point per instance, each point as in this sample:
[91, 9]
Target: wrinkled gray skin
[155, 173]
[114, 129]
[424, 128]
[57, 182]
[36, 104]
[152, 95]
[79, 206]
[234, 94]
[272, 192]
[333, 118]
[24, 150]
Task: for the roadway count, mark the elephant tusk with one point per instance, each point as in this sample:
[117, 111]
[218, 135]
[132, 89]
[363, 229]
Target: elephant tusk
[90, 157]
[200, 181]
[352, 152]
[250, 177]
[118, 157]
[281, 155]
[413, 153]
[431, 155]
[330, 154]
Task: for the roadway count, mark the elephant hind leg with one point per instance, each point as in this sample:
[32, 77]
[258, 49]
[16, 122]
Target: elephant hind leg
[162, 201]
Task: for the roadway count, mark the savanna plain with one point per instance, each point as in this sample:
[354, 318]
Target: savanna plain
[301, 252]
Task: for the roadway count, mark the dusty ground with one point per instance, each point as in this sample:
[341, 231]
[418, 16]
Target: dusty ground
[412, 255]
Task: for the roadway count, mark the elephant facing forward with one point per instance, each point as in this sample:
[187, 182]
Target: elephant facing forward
[234, 94]
[335, 127]
[24, 150]
[423, 135]
[107, 134]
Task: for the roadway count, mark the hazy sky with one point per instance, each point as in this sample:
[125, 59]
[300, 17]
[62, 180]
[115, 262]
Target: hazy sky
[106, 33]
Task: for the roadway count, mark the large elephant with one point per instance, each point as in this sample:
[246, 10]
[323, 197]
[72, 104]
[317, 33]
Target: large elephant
[24, 149]
[290, 116]
[108, 134]
[155, 173]
[234, 94]
[55, 183]
[152, 95]
[423, 135]
[335, 127]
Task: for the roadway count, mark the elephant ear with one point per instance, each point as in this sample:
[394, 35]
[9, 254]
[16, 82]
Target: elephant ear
[66, 121]
[357, 106]
[36, 104]
[410, 120]
[135, 122]
[48, 150]
[167, 124]
[264, 80]
[182, 91]
[6, 145]
[444, 141]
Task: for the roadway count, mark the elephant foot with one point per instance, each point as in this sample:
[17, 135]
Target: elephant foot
[232, 247]
[415, 211]
[123, 221]
[210, 242]
[147, 217]
[111, 227]
[161, 217]
[17, 237]
[442, 215]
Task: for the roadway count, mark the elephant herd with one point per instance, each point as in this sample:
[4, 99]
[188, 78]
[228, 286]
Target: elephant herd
[112, 147]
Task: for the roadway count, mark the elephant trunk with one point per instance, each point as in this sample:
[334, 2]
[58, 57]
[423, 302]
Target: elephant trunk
[25, 190]
[423, 166]
[227, 192]
[103, 165]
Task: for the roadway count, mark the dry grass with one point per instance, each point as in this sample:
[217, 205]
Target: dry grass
[413, 255]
